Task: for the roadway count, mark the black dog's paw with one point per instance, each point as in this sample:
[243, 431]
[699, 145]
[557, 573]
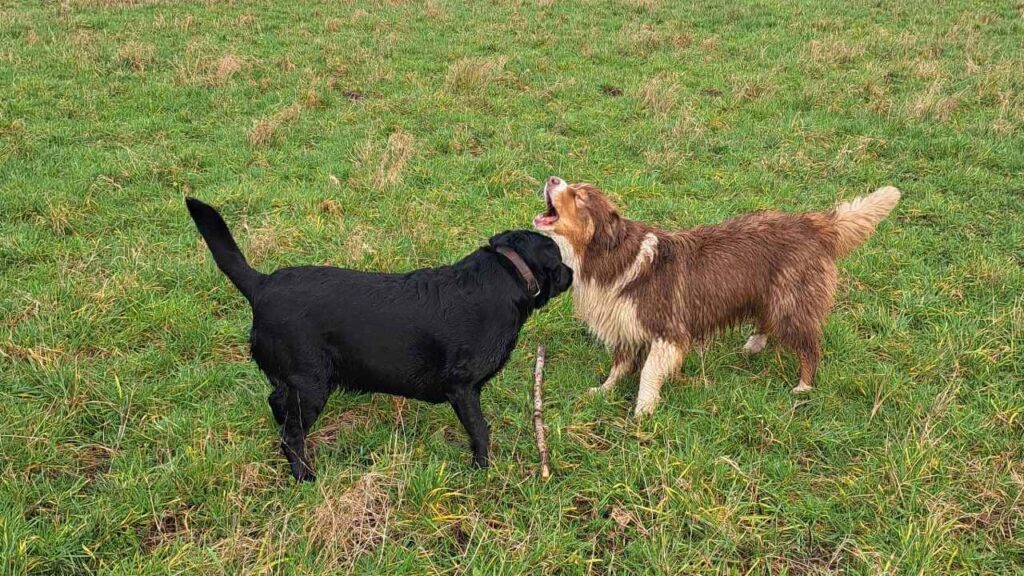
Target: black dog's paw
[481, 462]
[303, 474]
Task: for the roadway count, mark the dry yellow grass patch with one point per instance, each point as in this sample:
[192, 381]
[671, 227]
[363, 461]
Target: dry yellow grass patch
[41, 356]
[57, 218]
[267, 240]
[863, 148]
[434, 10]
[667, 157]
[105, 291]
[996, 88]
[357, 245]
[857, 151]
[834, 51]
[688, 124]
[185, 22]
[933, 104]
[659, 94]
[232, 352]
[928, 69]
[332, 24]
[83, 41]
[226, 67]
[251, 552]
[387, 164]
[30, 310]
[670, 150]
[753, 88]
[197, 67]
[263, 130]
[248, 21]
[473, 75]
[111, 3]
[639, 39]
[350, 521]
[330, 206]
[875, 90]
[626, 518]
[1006, 123]
[311, 98]
[644, 5]
[396, 154]
[137, 55]
[682, 40]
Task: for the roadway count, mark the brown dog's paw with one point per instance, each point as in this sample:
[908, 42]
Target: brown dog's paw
[801, 388]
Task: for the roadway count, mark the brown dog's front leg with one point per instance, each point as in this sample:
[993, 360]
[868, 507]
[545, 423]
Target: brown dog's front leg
[625, 361]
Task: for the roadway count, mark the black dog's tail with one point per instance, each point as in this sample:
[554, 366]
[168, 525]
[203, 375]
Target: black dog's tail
[225, 252]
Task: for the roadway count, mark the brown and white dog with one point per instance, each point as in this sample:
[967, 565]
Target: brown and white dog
[649, 295]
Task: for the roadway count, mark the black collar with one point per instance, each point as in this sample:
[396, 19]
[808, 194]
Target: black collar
[522, 268]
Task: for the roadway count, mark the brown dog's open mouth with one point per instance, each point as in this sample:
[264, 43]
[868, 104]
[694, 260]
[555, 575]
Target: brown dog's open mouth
[549, 217]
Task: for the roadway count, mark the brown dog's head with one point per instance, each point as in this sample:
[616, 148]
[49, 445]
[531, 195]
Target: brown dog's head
[579, 213]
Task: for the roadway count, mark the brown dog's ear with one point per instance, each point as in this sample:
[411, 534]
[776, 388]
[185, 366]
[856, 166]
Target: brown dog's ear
[606, 222]
[606, 233]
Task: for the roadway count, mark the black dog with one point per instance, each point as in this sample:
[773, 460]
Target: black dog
[436, 334]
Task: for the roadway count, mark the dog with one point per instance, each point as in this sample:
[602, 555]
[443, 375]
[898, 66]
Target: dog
[650, 295]
[436, 334]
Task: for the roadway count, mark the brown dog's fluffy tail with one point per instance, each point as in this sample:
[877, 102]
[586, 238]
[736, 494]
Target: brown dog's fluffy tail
[855, 220]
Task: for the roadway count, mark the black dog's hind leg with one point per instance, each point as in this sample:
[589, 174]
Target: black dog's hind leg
[296, 405]
[466, 402]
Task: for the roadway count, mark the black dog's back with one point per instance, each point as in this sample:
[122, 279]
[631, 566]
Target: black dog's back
[395, 333]
[435, 334]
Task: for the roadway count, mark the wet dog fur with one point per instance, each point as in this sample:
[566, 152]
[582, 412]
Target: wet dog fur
[437, 334]
[649, 295]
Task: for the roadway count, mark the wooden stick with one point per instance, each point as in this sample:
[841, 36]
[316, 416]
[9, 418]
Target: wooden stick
[538, 415]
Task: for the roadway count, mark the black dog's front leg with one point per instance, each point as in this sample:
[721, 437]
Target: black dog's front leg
[296, 412]
[466, 403]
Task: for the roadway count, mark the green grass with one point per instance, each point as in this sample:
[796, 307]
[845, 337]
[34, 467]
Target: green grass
[136, 438]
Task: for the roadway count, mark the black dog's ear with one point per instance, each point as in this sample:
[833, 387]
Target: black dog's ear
[559, 280]
[501, 239]
[564, 278]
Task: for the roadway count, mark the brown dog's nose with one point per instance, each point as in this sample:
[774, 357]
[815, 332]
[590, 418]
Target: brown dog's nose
[554, 181]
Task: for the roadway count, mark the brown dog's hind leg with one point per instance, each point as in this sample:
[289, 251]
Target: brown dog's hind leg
[809, 357]
[799, 307]
[804, 338]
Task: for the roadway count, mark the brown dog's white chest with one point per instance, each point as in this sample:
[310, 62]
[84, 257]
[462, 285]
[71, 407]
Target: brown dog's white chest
[610, 315]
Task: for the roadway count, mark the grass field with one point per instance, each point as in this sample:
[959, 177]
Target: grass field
[135, 433]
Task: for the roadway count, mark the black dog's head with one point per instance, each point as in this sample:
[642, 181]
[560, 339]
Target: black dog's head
[541, 254]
